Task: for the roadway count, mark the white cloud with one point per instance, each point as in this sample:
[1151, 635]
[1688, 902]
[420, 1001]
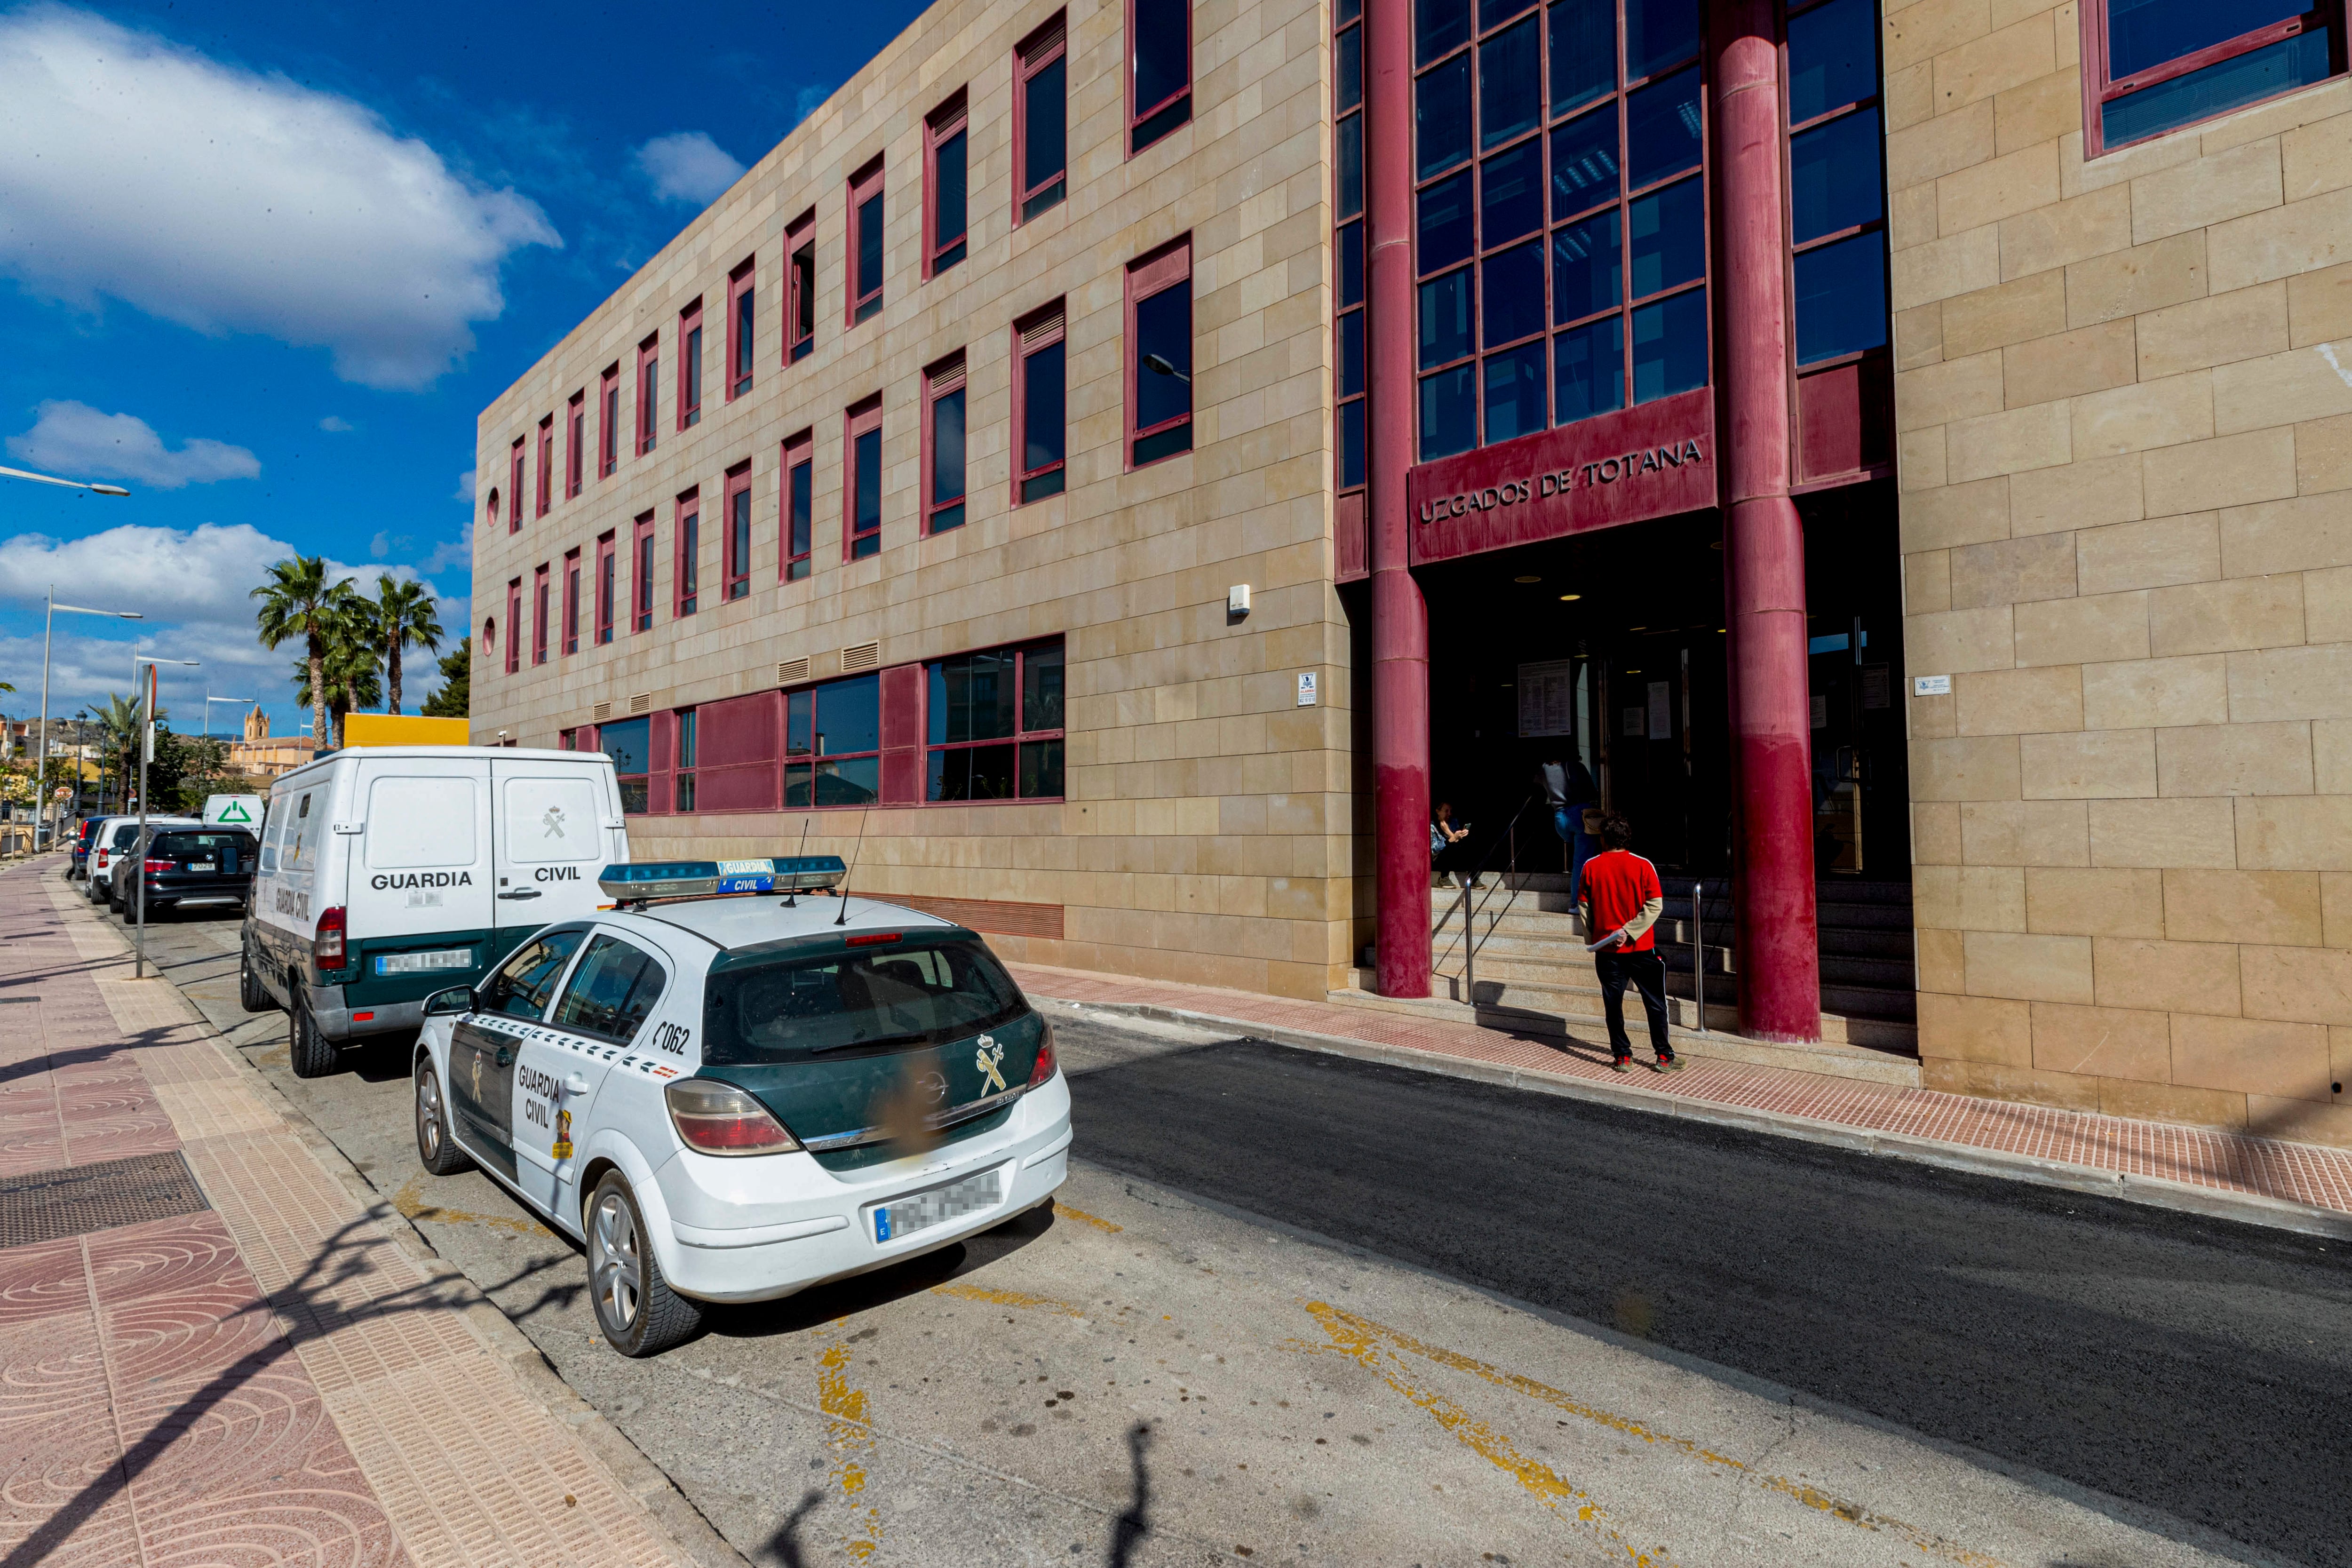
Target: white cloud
[457, 554]
[336, 425]
[75, 441]
[202, 575]
[808, 100]
[465, 487]
[380, 546]
[687, 166]
[230, 201]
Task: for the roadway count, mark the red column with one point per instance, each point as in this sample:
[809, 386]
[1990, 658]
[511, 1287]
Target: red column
[1764, 542]
[1400, 618]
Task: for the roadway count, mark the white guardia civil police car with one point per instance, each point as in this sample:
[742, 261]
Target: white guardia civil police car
[731, 1091]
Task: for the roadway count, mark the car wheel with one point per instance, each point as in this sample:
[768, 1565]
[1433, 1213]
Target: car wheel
[313, 1054]
[251, 993]
[436, 1150]
[640, 1314]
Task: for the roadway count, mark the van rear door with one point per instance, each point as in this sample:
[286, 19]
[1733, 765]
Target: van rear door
[419, 896]
[558, 824]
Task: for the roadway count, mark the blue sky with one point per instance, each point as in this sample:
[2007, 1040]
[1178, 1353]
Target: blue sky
[263, 264]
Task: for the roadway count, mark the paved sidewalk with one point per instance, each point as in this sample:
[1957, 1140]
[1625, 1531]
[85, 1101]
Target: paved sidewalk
[241, 1367]
[2226, 1165]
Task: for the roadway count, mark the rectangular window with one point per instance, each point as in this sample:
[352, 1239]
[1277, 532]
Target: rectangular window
[689, 365]
[946, 185]
[1348, 323]
[648, 391]
[1040, 404]
[1560, 230]
[1159, 354]
[832, 743]
[607, 586]
[797, 505]
[994, 723]
[514, 485]
[866, 243]
[800, 244]
[608, 419]
[943, 423]
[575, 442]
[1160, 77]
[629, 742]
[570, 603]
[2153, 66]
[641, 568]
[861, 490]
[1837, 213]
[685, 750]
[546, 465]
[514, 625]
[737, 574]
[539, 614]
[684, 599]
[741, 320]
[1041, 112]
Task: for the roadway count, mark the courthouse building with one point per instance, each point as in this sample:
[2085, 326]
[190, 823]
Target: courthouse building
[1113, 468]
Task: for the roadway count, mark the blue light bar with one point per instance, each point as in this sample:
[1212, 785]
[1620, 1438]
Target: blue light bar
[627, 884]
[636, 884]
[780, 874]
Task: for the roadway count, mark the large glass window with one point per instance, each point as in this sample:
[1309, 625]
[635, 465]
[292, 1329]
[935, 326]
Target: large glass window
[1349, 321]
[994, 723]
[2157, 65]
[686, 748]
[1160, 92]
[1836, 203]
[1560, 234]
[1042, 127]
[1159, 354]
[832, 743]
[629, 742]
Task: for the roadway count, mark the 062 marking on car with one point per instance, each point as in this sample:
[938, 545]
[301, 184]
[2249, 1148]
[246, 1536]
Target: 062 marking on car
[672, 1037]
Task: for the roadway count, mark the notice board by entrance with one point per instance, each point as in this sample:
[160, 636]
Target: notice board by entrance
[1652, 460]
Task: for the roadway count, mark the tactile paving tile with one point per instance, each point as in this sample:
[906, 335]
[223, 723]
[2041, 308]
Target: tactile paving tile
[79, 1199]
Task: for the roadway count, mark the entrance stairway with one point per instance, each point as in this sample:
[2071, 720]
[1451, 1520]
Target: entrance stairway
[1531, 973]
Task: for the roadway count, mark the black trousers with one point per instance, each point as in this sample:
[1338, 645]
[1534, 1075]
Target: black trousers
[1647, 972]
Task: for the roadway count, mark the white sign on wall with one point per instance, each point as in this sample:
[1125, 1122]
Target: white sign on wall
[1306, 692]
[1931, 686]
[1547, 699]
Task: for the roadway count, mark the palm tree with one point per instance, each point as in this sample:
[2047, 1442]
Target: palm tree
[300, 600]
[403, 615]
[348, 669]
[117, 725]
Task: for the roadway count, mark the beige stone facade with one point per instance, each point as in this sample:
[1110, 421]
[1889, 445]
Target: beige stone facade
[2126, 460]
[1206, 834]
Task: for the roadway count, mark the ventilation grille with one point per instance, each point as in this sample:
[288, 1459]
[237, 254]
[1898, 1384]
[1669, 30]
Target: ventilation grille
[641, 702]
[1043, 327]
[790, 672]
[947, 375]
[602, 711]
[1047, 40]
[865, 655]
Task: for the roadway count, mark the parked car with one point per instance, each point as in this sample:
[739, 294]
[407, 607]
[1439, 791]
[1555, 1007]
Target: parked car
[731, 1098]
[115, 836]
[187, 869]
[391, 872]
[83, 839]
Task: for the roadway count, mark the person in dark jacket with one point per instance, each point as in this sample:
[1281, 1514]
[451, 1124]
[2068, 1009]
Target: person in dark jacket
[1569, 790]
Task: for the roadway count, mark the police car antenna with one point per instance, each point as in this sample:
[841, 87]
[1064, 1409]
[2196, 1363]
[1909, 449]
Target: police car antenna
[793, 895]
[855, 853]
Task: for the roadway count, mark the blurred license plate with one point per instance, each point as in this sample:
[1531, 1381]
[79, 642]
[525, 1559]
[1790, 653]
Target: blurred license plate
[924, 1210]
[206, 866]
[424, 963]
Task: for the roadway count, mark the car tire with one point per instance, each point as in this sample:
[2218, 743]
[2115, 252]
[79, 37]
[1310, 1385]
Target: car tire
[436, 1150]
[251, 993]
[312, 1054]
[640, 1314]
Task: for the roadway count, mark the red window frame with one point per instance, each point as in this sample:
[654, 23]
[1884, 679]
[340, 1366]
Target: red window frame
[546, 466]
[1138, 114]
[689, 366]
[608, 421]
[514, 485]
[575, 437]
[1170, 266]
[865, 186]
[1351, 408]
[860, 419]
[800, 288]
[1021, 736]
[735, 550]
[641, 574]
[949, 120]
[796, 471]
[685, 554]
[608, 586]
[570, 602]
[514, 625]
[648, 391]
[2099, 89]
[491, 507]
[1041, 328]
[942, 380]
[810, 699]
[1049, 43]
[684, 729]
[742, 327]
[538, 612]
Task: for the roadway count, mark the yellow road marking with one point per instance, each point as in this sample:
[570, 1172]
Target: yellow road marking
[853, 1437]
[412, 1206]
[1008, 1299]
[1362, 1340]
[1083, 1218]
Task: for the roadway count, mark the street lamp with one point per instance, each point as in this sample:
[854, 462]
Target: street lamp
[1159, 364]
[49, 622]
[146, 751]
[70, 484]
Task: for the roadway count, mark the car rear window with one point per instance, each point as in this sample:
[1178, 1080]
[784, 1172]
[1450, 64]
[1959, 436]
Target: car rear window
[776, 1007]
[232, 851]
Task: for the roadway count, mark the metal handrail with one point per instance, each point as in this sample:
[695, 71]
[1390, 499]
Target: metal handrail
[1470, 911]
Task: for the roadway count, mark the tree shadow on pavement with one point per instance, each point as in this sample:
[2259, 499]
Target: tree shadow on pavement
[784, 1545]
[1134, 1522]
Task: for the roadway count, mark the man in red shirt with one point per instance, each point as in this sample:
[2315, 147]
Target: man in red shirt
[1621, 901]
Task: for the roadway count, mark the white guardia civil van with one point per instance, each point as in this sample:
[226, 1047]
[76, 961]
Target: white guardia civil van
[390, 872]
[734, 1098]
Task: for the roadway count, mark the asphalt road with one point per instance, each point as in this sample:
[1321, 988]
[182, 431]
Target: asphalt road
[1299, 1309]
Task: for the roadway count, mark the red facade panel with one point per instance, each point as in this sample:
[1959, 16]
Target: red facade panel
[902, 735]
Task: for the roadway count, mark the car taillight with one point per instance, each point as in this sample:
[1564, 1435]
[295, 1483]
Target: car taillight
[716, 1118]
[1045, 1062]
[162, 865]
[326, 942]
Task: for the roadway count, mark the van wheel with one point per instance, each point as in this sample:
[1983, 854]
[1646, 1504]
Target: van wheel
[640, 1314]
[251, 993]
[436, 1150]
[313, 1054]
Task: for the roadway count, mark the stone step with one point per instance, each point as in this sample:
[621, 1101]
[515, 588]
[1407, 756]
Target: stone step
[1532, 929]
[1868, 988]
[1857, 1016]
